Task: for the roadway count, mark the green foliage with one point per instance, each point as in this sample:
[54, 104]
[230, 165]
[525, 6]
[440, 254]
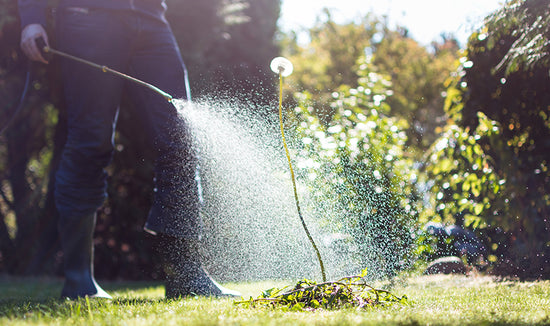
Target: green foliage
[360, 178]
[490, 166]
[347, 292]
[418, 76]
[325, 63]
[7, 8]
[528, 22]
[464, 179]
[26, 154]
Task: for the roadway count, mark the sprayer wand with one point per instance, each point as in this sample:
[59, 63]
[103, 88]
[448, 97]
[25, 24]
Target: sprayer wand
[42, 45]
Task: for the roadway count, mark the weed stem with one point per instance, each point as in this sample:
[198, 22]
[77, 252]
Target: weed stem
[294, 179]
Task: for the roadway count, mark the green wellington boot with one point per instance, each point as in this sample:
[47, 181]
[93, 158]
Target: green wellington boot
[185, 274]
[78, 254]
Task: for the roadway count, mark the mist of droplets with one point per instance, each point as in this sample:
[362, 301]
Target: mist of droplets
[252, 230]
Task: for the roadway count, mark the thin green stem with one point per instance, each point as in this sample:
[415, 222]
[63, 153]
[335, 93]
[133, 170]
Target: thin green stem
[294, 180]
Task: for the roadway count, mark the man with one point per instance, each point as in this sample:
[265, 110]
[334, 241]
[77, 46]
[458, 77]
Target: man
[131, 36]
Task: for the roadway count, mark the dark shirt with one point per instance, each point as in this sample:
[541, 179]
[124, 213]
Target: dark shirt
[35, 11]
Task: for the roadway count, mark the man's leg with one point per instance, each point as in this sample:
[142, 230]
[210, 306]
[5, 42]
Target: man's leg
[92, 99]
[174, 216]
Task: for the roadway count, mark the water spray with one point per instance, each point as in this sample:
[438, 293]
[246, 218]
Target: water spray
[283, 67]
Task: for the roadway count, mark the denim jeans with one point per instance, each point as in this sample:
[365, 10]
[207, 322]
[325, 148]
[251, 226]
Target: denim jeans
[143, 47]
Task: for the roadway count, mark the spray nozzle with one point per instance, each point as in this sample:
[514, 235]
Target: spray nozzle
[44, 48]
[282, 66]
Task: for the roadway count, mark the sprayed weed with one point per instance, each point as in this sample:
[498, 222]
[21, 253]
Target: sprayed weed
[347, 292]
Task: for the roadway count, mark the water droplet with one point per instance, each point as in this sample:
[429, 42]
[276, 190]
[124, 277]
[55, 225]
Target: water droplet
[482, 36]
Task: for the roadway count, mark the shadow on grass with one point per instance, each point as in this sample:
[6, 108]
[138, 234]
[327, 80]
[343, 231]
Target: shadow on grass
[62, 308]
[123, 286]
[22, 298]
[14, 289]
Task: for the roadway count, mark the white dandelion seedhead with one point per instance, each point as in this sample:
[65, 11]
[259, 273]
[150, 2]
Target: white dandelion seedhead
[282, 66]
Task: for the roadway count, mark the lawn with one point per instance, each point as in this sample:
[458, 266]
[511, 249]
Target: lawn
[434, 300]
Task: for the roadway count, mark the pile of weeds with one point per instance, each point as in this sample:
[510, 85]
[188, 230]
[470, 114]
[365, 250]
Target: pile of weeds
[347, 292]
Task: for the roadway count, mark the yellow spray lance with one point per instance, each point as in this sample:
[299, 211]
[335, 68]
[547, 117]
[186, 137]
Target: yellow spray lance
[283, 67]
[48, 50]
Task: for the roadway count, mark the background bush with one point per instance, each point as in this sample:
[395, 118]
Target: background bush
[490, 165]
[358, 174]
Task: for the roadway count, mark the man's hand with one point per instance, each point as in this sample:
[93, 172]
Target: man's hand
[28, 41]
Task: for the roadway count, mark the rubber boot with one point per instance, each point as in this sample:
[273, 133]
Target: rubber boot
[78, 254]
[185, 274]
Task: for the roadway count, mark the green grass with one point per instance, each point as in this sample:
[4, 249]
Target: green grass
[434, 300]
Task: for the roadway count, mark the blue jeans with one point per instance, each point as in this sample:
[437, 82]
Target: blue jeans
[143, 47]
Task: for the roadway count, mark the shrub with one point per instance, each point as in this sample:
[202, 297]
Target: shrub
[361, 181]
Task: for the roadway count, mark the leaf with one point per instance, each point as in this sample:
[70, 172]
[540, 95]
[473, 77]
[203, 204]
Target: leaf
[299, 306]
[270, 292]
[478, 208]
[466, 186]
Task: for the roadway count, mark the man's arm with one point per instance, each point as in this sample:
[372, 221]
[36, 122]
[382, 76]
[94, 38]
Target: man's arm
[33, 21]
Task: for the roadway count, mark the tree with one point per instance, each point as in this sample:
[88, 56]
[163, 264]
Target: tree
[417, 74]
[418, 77]
[529, 24]
[492, 164]
[27, 153]
[326, 62]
